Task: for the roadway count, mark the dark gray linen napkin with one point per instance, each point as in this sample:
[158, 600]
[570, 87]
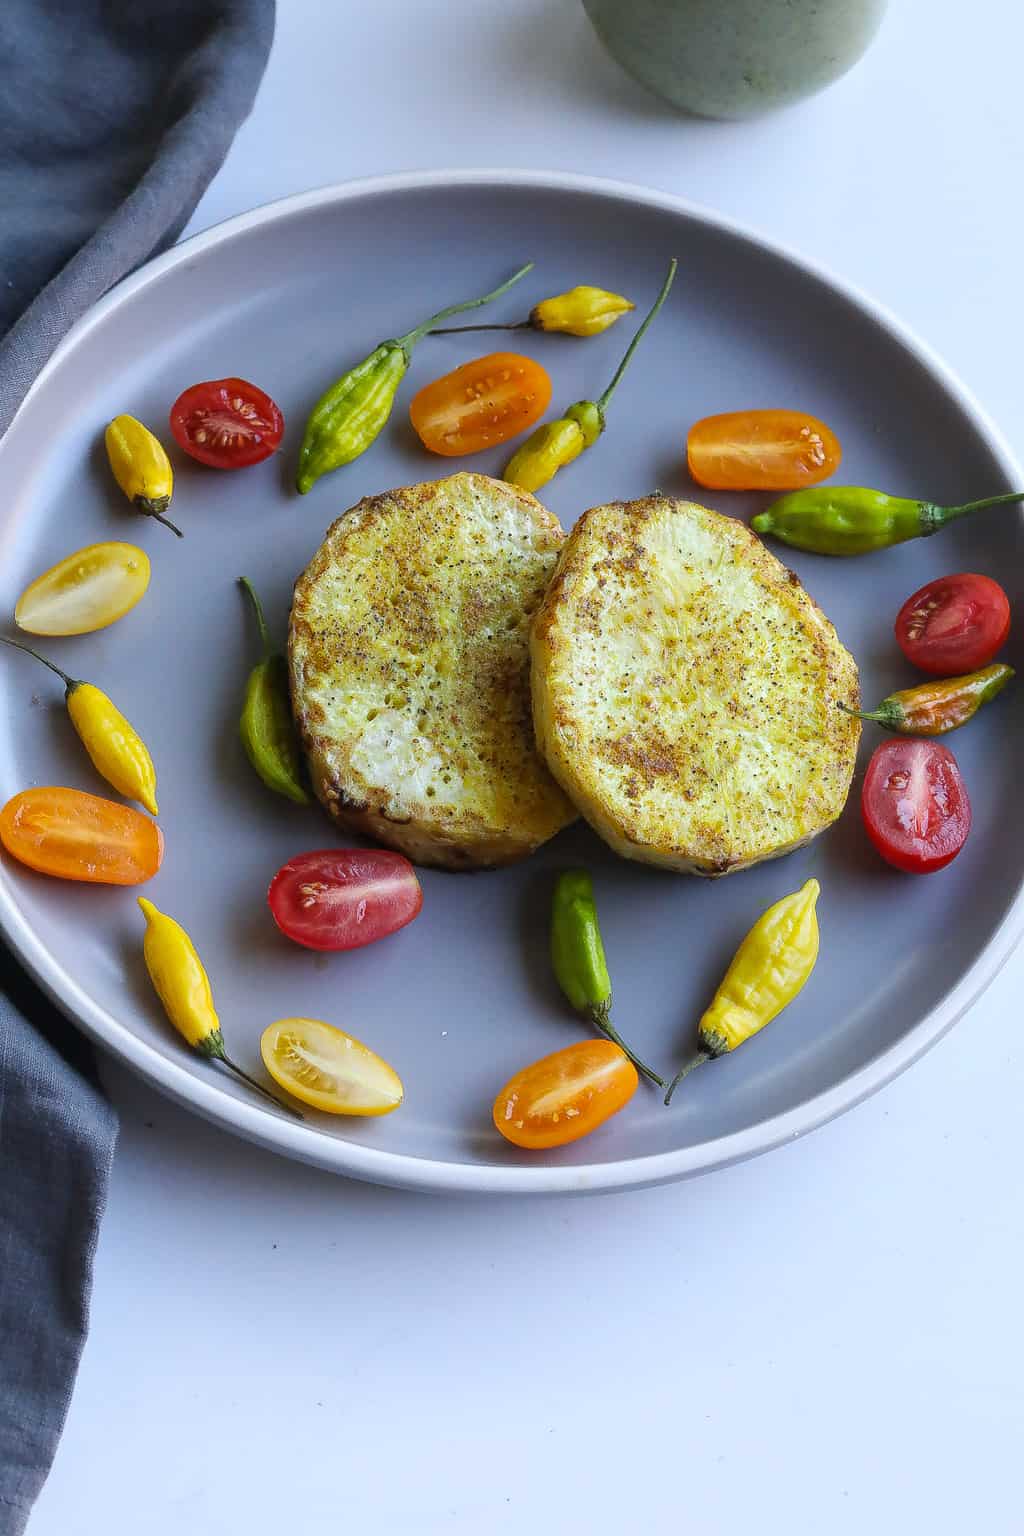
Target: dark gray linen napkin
[114, 117]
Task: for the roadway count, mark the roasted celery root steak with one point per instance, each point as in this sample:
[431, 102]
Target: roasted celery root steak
[686, 690]
[408, 657]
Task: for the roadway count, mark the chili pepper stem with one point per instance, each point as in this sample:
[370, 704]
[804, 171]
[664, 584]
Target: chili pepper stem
[250, 591]
[601, 1019]
[70, 683]
[947, 514]
[149, 509]
[459, 330]
[217, 1052]
[879, 716]
[605, 399]
[409, 340]
[696, 1060]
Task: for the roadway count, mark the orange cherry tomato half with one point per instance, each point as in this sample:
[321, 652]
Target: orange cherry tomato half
[480, 404]
[565, 1096]
[75, 836]
[761, 451]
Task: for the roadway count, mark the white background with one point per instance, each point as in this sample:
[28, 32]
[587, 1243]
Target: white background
[827, 1340]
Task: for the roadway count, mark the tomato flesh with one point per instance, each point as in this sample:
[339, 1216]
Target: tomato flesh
[343, 898]
[85, 591]
[75, 836]
[226, 423]
[915, 805]
[565, 1096]
[330, 1070]
[954, 624]
[483, 403]
[761, 451]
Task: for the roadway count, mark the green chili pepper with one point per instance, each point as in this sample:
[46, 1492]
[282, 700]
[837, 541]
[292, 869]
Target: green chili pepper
[266, 726]
[556, 443]
[932, 709]
[353, 412]
[577, 955]
[849, 520]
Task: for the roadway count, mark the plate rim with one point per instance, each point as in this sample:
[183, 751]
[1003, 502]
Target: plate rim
[405, 1170]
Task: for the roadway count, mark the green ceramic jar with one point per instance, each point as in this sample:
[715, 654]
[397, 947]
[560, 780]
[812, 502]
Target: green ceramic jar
[735, 58]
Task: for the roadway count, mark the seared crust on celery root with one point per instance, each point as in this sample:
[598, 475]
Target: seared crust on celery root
[408, 656]
[686, 690]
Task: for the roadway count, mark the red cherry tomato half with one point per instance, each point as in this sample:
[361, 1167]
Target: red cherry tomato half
[227, 423]
[954, 625]
[915, 805]
[342, 898]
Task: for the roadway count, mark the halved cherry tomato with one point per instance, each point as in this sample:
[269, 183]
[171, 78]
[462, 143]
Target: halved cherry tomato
[566, 1095]
[954, 624]
[85, 591]
[761, 451]
[342, 898]
[480, 404]
[915, 805]
[75, 836]
[227, 423]
[329, 1069]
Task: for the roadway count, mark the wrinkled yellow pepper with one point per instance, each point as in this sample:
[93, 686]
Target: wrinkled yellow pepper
[180, 981]
[545, 452]
[554, 444]
[141, 468]
[583, 311]
[117, 750]
[768, 970]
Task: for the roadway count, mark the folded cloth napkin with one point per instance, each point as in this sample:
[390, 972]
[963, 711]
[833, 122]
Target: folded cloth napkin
[114, 116]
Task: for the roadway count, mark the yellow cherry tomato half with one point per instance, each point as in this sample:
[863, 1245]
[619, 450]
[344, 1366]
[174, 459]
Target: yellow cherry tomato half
[329, 1069]
[565, 1096]
[88, 590]
[761, 451]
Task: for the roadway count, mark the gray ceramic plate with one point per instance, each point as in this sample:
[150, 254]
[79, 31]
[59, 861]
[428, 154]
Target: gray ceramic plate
[289, 296]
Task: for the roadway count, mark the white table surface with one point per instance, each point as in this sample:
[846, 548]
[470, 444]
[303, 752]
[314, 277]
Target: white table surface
[825, 1340]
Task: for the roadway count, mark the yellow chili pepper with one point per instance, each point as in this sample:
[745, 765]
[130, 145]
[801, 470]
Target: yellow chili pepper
[583, 311]
[141, 468]
[115, 747]
[768, 970]
[552, 446]
[547, 450]
[182, 985]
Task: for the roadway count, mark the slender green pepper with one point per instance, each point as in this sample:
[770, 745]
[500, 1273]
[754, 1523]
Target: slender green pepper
[932, 709]
[353, 412]
[556, 443]
[577, 956]
[850, 520]
[266, 726]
